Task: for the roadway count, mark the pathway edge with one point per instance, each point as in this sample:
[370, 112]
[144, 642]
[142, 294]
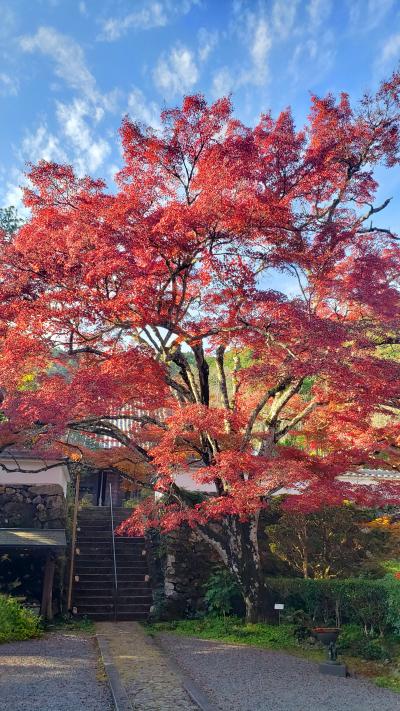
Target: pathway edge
[196, 694]
[118, 691]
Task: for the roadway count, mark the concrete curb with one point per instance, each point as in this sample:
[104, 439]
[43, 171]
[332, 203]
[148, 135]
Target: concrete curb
[192, 689]
[118, 692]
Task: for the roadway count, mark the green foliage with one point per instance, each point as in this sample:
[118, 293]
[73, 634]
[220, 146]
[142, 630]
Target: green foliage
[351, 637]
[391, 566]
[374, 650]
[16, 622]
[10, 221]
[232, 629]
[221, 592]
[388, 682]
[329, 543]
[355, 642]
[302, 624]
[372, 604]
[65, 622]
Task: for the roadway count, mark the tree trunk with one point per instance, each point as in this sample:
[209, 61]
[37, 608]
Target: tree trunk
[237, 545]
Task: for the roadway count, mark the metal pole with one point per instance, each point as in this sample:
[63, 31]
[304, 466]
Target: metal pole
[114, 558]
[73, 540]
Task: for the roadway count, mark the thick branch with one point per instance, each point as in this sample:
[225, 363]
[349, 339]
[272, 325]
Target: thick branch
[222, 377]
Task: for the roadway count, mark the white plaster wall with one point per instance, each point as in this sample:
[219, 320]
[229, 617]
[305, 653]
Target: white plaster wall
[30, 474]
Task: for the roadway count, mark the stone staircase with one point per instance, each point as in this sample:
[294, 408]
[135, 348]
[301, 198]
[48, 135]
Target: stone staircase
[94, 593]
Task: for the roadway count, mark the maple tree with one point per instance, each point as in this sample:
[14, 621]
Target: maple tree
[152, 307]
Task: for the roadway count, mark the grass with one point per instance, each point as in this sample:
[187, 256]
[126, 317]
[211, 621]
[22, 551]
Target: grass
[231, 629]
[277, 637]
[67, 624]
[389, 682]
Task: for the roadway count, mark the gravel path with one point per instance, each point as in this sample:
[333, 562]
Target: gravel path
[59, 672]
[150, 680]
[239, 678]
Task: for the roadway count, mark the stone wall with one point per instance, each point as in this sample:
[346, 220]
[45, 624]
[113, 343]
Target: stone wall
[180, 563]
[25, 506]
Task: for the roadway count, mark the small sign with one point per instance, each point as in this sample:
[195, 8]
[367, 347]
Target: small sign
[279, 606]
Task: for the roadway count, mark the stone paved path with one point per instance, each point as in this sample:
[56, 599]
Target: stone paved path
[59, 672]
[145, 671]
[239, 678]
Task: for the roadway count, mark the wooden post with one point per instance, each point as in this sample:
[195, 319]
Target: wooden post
[46, 608]
[73, 541]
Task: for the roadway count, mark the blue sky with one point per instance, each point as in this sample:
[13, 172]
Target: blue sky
[70, 69]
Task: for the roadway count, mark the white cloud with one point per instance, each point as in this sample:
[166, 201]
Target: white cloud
[207, 43]
[74, 118]
[8, 85]
[260, 47]
[41, 145]
[390, 53]
[83, 9]
[147, 16]
[365, 15]
[77, 120]
[176, 72]
[68, 57]
[12, 191]
[318, 12]
[313, 58]
[35, 146]
[253, 30]
[283, 16]
[8, 21]
[223, 82]
[142, 110]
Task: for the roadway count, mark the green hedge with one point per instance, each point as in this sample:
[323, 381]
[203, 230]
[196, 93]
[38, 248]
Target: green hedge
[16, 622]
[373, 604]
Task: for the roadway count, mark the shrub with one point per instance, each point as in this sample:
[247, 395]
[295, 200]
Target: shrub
[16, 622]
[374, 650]
[222, 593]
[302, 624]
[372, 604]
[351, 639]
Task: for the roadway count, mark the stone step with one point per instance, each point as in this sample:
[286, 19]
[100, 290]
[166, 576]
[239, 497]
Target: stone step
[97, 549]
[94, 594]
[131, 608]
[138, 587]
[105, 600]
[89, 549]
[125, 573]
[89, 608]
[107, 616]
[106, 560]
[98, 578]
[106, 542]
[103, 514]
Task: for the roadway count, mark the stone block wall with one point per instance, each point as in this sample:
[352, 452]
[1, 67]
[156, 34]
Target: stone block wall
[39, 506]
[180, 563]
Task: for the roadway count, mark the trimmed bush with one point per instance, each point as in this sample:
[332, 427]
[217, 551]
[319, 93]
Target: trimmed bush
[16, 622]
[372, 604]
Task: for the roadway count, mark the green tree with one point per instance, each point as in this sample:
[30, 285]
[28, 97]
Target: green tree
[333, 542]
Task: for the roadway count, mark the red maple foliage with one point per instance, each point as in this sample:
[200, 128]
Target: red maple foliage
[154, 305]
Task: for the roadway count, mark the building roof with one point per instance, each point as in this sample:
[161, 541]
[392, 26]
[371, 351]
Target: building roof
[32, 538]
[370, 475]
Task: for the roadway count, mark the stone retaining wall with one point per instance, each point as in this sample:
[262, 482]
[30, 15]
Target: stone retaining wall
[179, 564]
[24, 506]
